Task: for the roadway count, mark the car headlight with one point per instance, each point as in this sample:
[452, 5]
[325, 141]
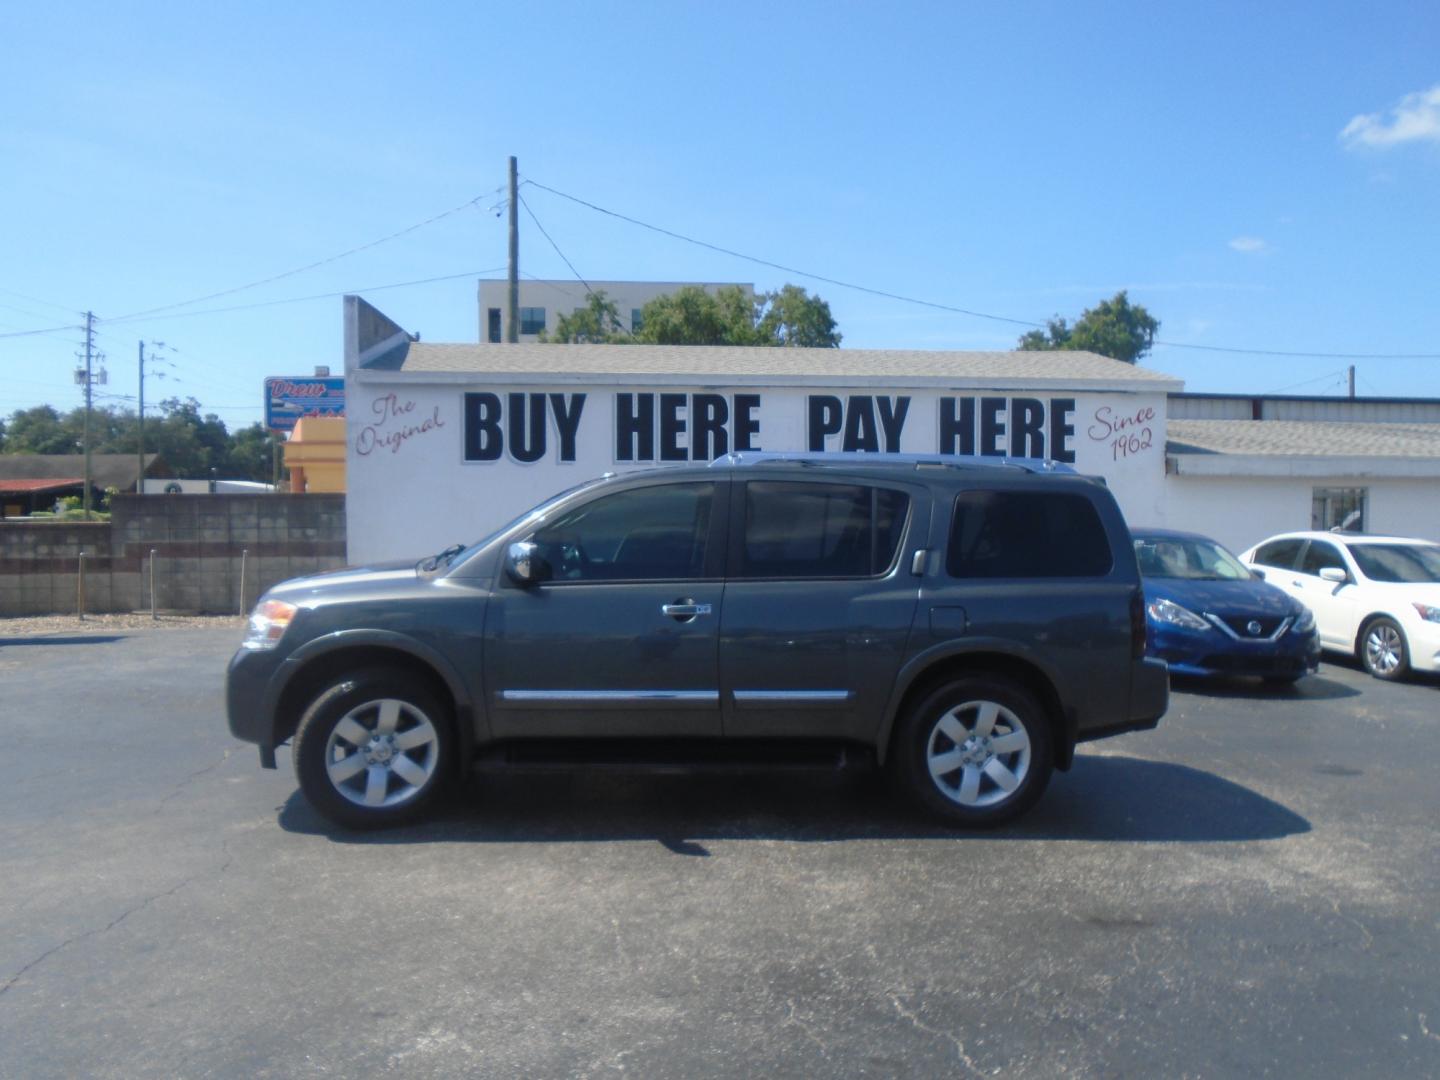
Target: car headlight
[268, 623]
[1167, 611]
[1304, 622]
[1428, 612]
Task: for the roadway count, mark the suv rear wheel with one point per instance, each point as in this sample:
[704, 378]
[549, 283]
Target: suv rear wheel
[374, 749]
[976, 751]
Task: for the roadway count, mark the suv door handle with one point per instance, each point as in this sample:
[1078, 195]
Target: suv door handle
[684, 610]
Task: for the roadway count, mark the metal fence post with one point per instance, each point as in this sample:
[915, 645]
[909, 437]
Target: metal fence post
[243, 553]
[152, 583]
[80, 588]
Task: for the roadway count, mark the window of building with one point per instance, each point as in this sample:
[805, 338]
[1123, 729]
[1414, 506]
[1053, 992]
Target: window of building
[820, 530]
[532, 320]
[1342, 509]
[1010, 534]
[492, 325]
[649, 534]
[637, 320]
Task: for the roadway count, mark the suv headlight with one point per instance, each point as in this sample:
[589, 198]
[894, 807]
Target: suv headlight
[1428, 612]
[1167, 611]
[1304, 622]
[268, 623]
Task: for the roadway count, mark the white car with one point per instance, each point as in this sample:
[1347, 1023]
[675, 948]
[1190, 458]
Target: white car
[1375, 597]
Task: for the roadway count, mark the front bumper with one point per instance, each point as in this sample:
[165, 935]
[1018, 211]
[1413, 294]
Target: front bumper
[1211, 653]
[249, 699]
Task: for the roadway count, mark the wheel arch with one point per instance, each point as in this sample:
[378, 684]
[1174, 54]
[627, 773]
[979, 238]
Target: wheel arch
[326, 659]
[930, 670]
[1364, 625]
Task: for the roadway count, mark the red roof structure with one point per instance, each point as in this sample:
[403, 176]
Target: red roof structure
[36, 486]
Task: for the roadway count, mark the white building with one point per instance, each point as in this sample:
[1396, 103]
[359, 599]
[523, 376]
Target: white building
[1243, 468]
[543, 302]
[447, 442]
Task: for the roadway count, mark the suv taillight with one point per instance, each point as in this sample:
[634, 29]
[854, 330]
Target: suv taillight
[1137, 624]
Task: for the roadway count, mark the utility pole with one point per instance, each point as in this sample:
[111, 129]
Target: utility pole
[140, 421]
[89, 385]
[512, 329]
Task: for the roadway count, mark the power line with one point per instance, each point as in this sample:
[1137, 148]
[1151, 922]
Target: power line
[302, 299]
[959, 310]
[43, 303]
[578, 276]
[311, 266]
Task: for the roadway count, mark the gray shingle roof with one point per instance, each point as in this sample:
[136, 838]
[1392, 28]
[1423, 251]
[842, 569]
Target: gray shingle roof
[738, 364]
[106, 470]
[1302, 438]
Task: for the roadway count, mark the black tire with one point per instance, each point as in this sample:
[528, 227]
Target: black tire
[1383, 649]
[355, 773]
[970, 794]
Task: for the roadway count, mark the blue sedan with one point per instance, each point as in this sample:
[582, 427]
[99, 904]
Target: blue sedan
[1208, 614]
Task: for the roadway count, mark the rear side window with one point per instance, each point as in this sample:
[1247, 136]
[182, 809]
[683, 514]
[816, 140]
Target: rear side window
[820, 530]
[1281, 553]
[1018, 534]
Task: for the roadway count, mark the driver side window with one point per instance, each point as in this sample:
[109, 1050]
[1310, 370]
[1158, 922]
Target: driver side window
[1320, 556]
[658, 533]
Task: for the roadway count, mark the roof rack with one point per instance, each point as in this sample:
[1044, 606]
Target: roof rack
[749, 458]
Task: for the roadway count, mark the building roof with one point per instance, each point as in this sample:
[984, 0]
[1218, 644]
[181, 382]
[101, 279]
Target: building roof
[35, 487]
[106, 470]
[1253, 438]
[743, 365]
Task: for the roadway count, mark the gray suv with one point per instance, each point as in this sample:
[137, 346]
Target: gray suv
[964, 624]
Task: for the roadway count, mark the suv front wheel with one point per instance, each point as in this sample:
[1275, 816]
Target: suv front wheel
[373, 750]
[976, 751]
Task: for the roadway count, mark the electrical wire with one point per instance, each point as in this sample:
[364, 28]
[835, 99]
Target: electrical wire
[959, 310]
[311, 266]
[303, 299]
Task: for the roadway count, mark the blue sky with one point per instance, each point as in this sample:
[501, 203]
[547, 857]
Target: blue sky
[1258, 176]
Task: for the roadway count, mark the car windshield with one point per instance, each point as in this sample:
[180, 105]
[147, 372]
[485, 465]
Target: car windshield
[1187, 557]
[1410, 563]
[535, 513]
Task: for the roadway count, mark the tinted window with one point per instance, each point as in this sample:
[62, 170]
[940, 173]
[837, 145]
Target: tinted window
[1282, 553]
[649, 534]
[1413, 563]
[532, 320]
[1320, 555]
[820, 530]
[1009, 534]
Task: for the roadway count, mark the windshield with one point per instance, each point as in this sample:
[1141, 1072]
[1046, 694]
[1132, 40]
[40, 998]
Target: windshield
[1411, 563]
[1185, 557]
[535, 513]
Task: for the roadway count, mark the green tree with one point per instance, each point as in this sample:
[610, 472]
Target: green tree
[1114, 328]
[38, 430]
[795, 318]
[597, 323]
[249, 455]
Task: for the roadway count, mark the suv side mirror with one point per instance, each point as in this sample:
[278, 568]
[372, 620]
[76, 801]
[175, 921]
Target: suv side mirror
[1335, 574]
[1257, 572]
[525, 565]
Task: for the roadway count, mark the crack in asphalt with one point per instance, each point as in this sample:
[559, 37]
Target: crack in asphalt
[914, 1019]
[194, 776]
[96, 932]
[113, 923]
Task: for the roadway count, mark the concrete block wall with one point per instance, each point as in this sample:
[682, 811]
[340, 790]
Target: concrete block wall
[199, 543]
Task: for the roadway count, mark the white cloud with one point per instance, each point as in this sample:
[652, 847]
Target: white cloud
[1415, 119]
[1250, 245]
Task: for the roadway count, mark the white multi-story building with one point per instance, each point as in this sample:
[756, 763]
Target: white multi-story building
[543, 302]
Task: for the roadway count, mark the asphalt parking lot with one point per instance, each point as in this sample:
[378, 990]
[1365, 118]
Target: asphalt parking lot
[1253, 889]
